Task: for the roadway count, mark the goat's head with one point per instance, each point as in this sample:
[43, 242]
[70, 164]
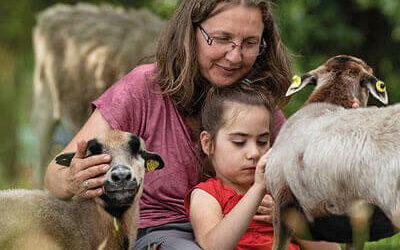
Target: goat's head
[130, 161]
[342, 80]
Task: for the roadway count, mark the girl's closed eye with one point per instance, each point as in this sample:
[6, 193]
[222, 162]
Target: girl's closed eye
[239, 143]
[263, 142]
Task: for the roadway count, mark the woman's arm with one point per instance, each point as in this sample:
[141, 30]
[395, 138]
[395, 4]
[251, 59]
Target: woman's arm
[81, 177]
[215, 231]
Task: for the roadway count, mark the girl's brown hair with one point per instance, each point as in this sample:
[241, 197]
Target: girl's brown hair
[176, 56]
[215, 106]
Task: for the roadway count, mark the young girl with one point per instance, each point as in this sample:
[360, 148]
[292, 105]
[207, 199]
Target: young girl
[236, 122]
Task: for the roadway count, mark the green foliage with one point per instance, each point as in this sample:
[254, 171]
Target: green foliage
[315, 30]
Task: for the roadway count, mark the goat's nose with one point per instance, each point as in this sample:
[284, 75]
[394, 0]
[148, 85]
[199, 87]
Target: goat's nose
[120, 174]
[355, 103]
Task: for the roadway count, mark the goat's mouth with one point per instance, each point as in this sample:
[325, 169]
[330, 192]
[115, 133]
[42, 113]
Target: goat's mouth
[119, 194]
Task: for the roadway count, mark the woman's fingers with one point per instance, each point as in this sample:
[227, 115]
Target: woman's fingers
[90, 188]
[93, 183]
[81, 150]
[81, 164]
[265, 210]
[89, 194]
[91, 172]
[263, 218]
[86, 175]
[262, 210]
[267, 201]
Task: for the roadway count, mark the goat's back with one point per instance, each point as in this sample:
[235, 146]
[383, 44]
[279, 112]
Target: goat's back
[34, 216]
[324, 149]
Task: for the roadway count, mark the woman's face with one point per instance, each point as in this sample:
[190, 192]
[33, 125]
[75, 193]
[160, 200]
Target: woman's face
[240, 24]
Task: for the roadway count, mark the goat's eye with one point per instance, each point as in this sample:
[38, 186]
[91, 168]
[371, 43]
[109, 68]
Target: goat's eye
[94, 147]
[134, 145]
[380, 86]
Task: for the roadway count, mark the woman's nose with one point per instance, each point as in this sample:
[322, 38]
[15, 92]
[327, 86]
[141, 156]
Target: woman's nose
[235, 55]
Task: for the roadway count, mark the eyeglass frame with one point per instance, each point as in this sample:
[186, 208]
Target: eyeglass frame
[209, 40]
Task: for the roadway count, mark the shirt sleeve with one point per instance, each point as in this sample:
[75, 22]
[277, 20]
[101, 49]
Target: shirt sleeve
[123, 105]
[210, 186]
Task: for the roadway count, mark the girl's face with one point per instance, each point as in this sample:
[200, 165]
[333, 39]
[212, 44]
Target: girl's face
[239, 144]
[240, 24]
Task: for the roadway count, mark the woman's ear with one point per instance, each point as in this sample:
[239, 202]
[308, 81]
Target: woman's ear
[205, 140]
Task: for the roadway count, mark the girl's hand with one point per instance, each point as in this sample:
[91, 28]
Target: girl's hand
[259, 177]
[265, 210]
[85, 177]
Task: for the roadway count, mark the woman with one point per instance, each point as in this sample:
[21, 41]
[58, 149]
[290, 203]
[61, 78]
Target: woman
[207, 42]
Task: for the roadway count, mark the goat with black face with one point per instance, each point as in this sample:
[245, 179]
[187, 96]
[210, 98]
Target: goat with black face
[108, 221]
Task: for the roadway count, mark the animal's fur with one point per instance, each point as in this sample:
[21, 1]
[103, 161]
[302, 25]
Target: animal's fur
[80, 51]
[327, 157]
[33, 219]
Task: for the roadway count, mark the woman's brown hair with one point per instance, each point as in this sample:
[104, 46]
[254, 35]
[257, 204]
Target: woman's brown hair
[215, 106]
[176, 56]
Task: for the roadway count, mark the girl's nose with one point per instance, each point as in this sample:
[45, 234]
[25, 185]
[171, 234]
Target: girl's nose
[253, 152]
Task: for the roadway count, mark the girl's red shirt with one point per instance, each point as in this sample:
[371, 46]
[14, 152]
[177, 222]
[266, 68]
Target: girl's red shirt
[259, 235]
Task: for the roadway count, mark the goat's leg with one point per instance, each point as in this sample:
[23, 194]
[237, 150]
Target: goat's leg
[43, 127]
[44, 133]
[360, 214]
[282, 233]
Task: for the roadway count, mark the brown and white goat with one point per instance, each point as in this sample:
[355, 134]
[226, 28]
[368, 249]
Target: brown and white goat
[327, 157]
[80, 50]
[33, 219]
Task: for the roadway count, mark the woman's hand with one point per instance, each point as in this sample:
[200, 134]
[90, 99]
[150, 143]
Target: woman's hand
[265, 210]
[85, 177]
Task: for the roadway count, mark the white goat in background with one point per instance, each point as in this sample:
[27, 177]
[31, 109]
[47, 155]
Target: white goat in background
[80, 51]
[327, 157]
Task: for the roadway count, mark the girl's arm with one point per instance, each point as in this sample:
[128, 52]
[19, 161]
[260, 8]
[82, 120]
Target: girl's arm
[215, 231]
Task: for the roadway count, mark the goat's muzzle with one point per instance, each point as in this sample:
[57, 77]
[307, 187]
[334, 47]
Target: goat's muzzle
[121, 187]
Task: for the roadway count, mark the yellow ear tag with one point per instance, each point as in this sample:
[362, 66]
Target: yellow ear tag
[296, 82]
[152, 165]
[380, 86]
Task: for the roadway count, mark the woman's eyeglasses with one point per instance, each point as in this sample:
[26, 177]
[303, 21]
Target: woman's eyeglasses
[250, 47]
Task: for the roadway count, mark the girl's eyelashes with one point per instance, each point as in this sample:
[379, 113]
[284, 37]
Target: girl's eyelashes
[239, 143]
[263, 143]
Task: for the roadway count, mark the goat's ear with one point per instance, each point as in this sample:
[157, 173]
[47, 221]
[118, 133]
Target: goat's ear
[299, 83]
[65, 159]
[377, 89]
[152, 161]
